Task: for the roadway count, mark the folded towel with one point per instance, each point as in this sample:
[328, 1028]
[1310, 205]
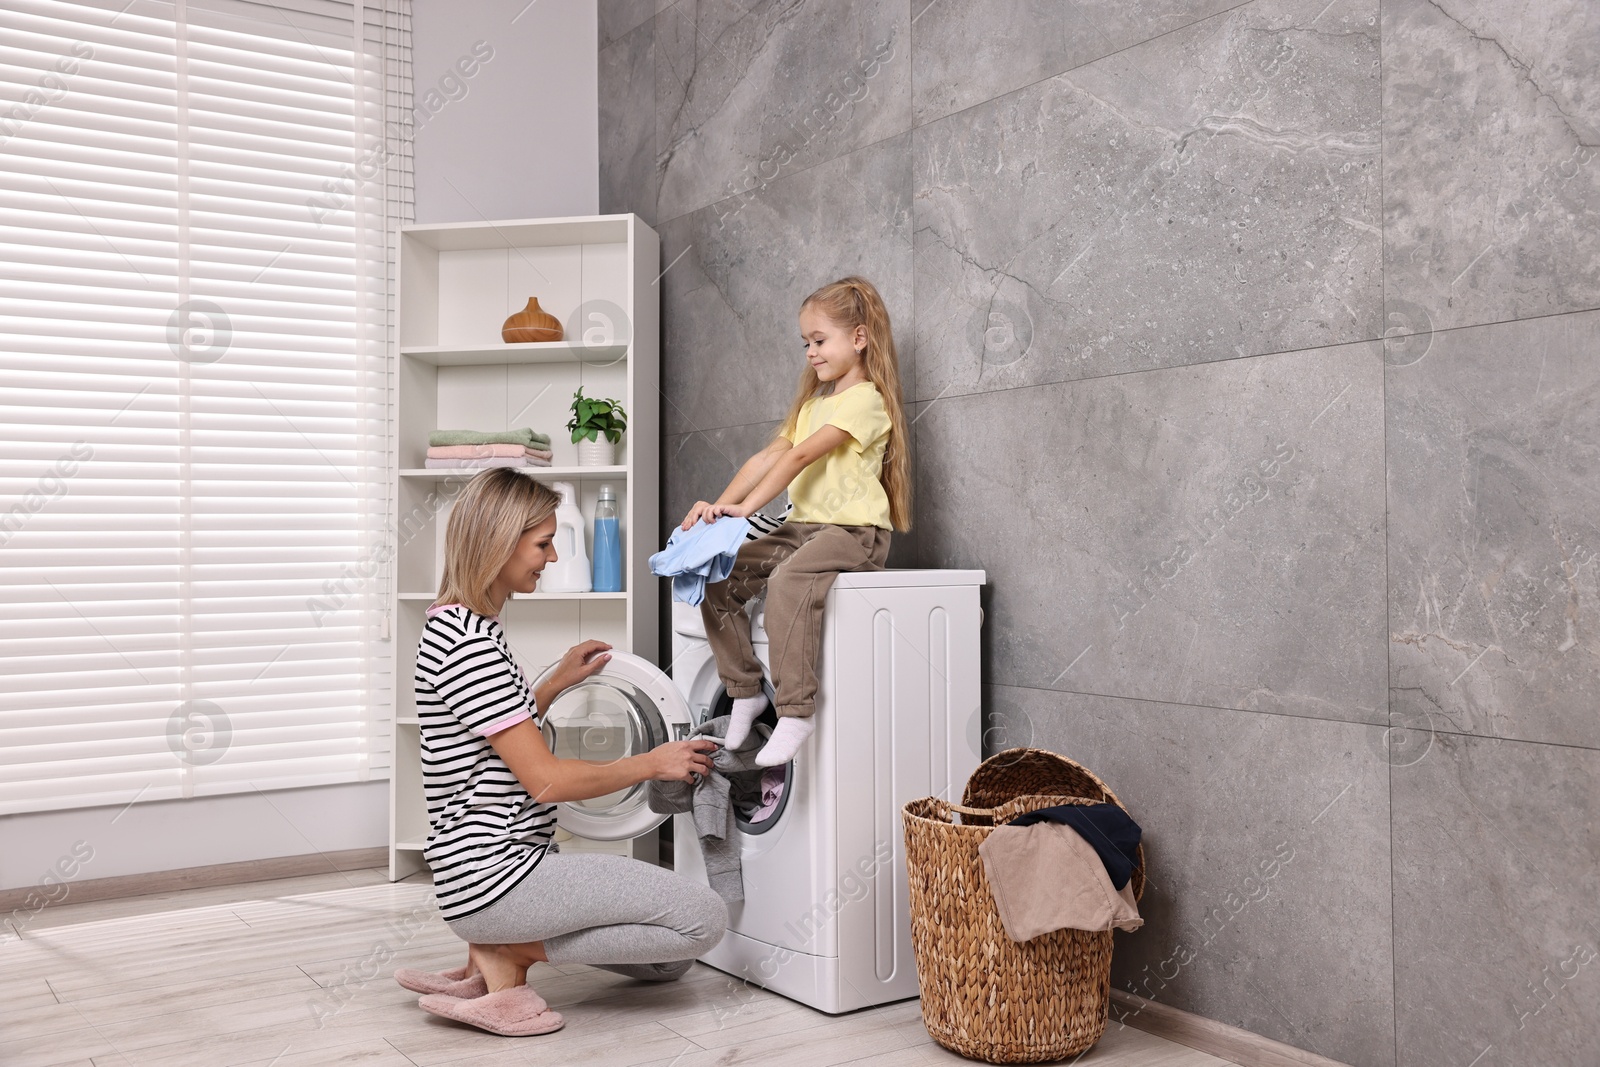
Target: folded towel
[484, 464]
[496, 437]
[485, 451]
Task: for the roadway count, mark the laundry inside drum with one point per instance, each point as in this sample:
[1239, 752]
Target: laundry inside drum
[759, 797]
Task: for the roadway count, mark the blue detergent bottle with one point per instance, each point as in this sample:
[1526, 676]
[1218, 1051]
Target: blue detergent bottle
[607, 544]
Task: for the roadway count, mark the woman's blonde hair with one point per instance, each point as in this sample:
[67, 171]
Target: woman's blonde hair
[490, 516]
[851, 302]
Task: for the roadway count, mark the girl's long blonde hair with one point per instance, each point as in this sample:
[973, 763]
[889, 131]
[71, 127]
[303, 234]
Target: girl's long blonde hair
[490, 516]
[851, 302]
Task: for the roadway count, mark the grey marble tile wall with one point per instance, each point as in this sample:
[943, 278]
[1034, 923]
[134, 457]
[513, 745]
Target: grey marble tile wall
[1491, 127]
[1254, 351]
[1209, 535]
[1495, 853]
[1494, 529]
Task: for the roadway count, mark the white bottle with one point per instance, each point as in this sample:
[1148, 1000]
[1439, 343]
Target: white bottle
[570, 572]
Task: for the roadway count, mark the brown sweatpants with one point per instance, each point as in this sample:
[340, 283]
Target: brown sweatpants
[797, 563]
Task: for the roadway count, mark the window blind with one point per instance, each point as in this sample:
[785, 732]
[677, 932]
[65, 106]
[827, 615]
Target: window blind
[198, 203]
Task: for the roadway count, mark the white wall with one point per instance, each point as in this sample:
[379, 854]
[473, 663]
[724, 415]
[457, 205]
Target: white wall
[520, 137]
[167, 835]
[517, 138]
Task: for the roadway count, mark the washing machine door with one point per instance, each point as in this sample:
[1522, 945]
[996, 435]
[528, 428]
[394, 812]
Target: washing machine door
[627, 708]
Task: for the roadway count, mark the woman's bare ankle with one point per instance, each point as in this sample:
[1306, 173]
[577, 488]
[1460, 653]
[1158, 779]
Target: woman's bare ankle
[500, 965]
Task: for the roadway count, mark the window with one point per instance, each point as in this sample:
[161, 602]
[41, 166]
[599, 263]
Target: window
[197, 209]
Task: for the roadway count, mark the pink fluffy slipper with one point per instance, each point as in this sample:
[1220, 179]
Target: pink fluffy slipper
[514, 1012]
[453, 983]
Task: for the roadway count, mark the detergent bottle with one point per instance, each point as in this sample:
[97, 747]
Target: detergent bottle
[570, 572]
[607, 544]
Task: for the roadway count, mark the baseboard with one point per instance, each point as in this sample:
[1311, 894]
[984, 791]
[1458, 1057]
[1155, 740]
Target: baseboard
[139, 885]
[1208, 1035]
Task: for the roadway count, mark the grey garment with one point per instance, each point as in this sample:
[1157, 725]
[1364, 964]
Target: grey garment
[734, 771]
[611, 912]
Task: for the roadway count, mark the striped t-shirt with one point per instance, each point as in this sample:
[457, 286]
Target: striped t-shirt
[486, 832]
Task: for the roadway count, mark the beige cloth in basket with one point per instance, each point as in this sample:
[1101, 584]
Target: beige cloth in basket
[1046, 877]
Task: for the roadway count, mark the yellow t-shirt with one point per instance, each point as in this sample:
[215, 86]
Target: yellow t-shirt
[843, 487]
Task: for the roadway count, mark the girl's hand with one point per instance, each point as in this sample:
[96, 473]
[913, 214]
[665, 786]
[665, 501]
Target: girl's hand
[716, 511]
[696, 513]
[580, 662]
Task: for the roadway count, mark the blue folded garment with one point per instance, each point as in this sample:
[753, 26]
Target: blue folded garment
[703, 553]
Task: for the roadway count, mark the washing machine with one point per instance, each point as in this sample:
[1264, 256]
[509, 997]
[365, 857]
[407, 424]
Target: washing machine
[826, 915]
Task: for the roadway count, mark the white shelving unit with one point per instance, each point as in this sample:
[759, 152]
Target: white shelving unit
[458, 283]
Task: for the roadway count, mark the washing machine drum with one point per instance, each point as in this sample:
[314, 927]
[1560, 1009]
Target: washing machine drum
[627, 708]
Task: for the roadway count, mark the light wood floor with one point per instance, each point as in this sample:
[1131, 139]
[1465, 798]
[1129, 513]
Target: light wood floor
[296, 973]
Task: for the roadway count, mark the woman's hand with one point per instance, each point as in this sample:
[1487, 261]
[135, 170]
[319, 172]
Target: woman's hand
[716, 511]
[580, 662]
[696, 513]
[680, 761]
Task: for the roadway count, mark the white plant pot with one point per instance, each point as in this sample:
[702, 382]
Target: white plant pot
[597, 453]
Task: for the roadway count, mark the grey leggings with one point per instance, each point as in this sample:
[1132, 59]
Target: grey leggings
[612, 912]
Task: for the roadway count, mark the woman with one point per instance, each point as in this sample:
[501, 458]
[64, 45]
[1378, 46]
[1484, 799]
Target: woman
[492, 783]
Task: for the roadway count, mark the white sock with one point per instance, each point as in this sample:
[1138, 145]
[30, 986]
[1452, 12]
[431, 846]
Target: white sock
[745, 711]
[785, 741]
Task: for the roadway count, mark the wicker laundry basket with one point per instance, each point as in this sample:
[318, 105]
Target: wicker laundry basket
[984, 995]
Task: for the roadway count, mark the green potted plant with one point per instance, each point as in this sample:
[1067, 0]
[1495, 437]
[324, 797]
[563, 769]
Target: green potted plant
[596, 425]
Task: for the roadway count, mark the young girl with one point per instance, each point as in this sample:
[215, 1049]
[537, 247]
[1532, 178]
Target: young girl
[843, 455]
